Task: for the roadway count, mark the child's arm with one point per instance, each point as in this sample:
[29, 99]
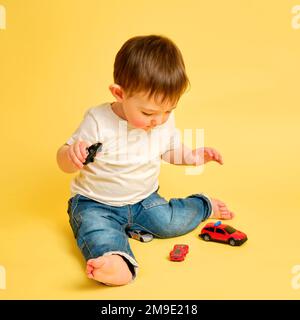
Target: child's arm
[185, 156]
[180, 156]
[63, 160]
[71, 158]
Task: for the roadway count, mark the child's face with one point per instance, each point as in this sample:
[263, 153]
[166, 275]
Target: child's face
[144, 113]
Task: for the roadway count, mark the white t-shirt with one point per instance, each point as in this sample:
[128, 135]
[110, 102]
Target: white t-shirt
[126, 170]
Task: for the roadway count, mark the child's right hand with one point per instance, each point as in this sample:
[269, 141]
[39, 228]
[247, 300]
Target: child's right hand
[77, 153]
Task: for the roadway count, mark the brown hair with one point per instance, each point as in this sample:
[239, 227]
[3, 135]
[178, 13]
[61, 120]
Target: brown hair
[151, 64]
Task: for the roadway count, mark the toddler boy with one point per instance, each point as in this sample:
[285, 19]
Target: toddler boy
[118, 192]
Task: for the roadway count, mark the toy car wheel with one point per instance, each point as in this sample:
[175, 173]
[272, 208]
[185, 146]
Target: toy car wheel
[142, 240]
[206, 237]
[232, 242]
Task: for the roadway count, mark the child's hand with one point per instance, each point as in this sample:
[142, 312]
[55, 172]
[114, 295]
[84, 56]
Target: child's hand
[203, 155]
[77, 153]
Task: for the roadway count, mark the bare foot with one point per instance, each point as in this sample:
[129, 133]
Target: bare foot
[111, 270]
[220, 211]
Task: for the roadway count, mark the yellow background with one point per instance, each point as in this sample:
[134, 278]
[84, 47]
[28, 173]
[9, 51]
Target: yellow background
[243, 61]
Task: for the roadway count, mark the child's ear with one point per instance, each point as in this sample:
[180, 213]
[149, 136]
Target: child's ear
[117, 91]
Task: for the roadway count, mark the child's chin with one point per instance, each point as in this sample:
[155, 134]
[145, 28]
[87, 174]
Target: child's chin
[146, 128]
[140, 126]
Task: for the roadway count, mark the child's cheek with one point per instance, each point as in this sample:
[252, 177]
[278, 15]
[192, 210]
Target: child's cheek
[139, 123]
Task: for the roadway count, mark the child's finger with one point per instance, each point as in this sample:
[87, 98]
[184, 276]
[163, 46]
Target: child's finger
[217, 159]
[74, 158]
[209, 152]
[221, 160]
[83, 150]
[215, 153]
[78, 152]
[217, 156]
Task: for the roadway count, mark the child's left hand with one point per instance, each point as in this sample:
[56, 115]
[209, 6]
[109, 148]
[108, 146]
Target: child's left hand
[204, 155]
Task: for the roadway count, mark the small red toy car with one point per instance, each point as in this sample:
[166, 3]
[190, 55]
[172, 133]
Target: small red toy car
[179, 252]
[183, 247]
[222, 233]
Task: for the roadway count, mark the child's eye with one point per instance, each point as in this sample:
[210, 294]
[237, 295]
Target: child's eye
[147, 114]
[150, 114]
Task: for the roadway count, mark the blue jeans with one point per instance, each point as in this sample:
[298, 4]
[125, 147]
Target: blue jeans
[100, 229]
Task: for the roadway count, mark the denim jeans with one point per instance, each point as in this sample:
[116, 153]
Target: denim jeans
[100, 229]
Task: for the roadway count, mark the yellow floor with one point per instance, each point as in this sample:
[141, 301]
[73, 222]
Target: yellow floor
[243, 63]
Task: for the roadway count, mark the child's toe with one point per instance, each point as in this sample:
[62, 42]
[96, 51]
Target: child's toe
[226, 216]
[89, 268]
[223, 209]
[96, 263]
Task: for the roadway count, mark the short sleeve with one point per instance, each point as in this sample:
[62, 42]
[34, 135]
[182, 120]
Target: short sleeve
[87, 130]
[174, 141]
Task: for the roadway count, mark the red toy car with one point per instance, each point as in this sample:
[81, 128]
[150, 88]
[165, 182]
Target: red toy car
[183, 247]
[179, 252]
[222, 233]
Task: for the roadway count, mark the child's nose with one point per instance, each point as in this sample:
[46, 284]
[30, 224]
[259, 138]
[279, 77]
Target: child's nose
[158, 120]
